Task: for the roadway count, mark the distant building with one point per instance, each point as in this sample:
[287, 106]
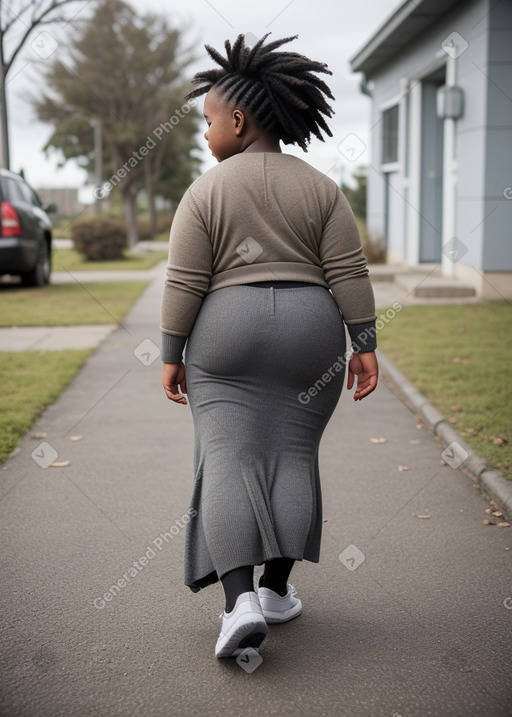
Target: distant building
[65, 198]
[440, 178]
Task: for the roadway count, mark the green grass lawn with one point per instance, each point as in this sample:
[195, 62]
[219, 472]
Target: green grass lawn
[71, 260]
[31, 381]
[459, 357]
[68, 304]
[163, 236]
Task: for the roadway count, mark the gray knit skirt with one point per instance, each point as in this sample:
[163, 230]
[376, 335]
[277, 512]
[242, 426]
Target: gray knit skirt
[265, 370]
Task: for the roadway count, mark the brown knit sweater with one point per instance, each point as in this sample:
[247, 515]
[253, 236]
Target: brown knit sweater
[263, 217]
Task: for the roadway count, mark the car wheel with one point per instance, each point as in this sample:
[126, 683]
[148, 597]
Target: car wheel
[40, 274]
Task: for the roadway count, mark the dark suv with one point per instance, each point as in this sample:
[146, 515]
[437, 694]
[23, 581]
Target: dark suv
[25, 231]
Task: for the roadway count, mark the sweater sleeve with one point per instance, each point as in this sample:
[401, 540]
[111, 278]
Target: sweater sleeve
[346, 273]
[189, 270]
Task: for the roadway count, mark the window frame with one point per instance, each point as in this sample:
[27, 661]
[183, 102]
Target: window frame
[390, 136]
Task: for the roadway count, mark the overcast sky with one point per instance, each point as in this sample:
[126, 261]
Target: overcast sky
[330, 31]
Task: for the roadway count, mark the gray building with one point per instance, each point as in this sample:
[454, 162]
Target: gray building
[439, 74]
[65, 198]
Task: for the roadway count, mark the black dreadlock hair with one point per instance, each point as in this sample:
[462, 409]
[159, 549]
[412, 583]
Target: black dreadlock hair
[278, 89]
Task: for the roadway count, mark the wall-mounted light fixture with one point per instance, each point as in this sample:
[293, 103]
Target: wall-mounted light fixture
[450, 102]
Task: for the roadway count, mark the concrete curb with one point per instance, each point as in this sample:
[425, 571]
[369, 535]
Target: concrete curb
[490, 479]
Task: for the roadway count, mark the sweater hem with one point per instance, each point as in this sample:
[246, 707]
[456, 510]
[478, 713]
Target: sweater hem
[270, 271]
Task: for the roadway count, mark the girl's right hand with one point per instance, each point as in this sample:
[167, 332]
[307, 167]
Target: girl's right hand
[174, 379]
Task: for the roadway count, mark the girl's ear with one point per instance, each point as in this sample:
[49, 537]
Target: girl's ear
[238, 122]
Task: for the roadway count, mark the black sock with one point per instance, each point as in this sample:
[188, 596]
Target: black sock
[236, 582]
[276, 575]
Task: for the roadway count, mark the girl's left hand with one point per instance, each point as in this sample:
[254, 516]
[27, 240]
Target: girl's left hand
[174, 379]
[366, 368]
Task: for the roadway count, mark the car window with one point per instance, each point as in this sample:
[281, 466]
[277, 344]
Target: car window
[36, 199]
[12, 190]
[27, 193]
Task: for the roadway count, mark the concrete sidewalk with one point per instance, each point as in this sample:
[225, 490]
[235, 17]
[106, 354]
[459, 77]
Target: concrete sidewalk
[53, 338]
[93, 277]
[407, 613]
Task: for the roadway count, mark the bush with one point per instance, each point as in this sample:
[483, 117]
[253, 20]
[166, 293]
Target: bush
[374, 247]
[374, 250]
[99, 238]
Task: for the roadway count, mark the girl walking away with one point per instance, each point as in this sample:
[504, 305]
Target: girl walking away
[265, 270]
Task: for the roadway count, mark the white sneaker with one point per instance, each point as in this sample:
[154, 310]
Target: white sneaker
[243, 627]
[277, 608]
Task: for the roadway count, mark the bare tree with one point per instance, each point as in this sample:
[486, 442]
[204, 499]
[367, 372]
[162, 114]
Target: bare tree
[18, 20]
[125, 71]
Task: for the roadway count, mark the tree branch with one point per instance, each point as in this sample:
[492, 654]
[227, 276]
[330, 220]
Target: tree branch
[15, 16]
[36, 20]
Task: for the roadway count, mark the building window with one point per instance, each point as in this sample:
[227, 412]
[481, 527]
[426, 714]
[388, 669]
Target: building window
[390, 135]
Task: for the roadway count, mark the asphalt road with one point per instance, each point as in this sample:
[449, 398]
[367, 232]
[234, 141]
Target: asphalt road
[404, 616]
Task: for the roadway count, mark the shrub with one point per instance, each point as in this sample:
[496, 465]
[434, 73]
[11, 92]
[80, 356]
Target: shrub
[374, 247]
[99, 238]
[374, 250]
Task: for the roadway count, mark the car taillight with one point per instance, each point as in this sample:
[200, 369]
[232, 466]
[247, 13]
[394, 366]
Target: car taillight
[11, 226]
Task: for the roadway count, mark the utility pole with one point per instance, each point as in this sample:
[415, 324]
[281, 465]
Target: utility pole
[4, 129]
[98, 161]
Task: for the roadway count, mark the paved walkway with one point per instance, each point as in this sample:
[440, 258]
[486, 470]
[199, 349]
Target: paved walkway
[408, 613]
[93, 277]
[142, 246]
[53, 338]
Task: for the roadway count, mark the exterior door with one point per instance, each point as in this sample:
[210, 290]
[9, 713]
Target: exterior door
[431, 175]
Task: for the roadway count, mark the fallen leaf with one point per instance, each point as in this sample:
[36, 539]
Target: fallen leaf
[503, 525]
[378, 440]
[42, 434]
[452, 419]
[423, 517]
[476, 485]
[455, 407]
[443, 463]
[488, 522]
[75, 438]
[488, 510]
[458, 359]
[403, 468]
[499, 441]
[60, 464]
[419, 427]
[461, 330]
[497, 513]
[471, 431]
